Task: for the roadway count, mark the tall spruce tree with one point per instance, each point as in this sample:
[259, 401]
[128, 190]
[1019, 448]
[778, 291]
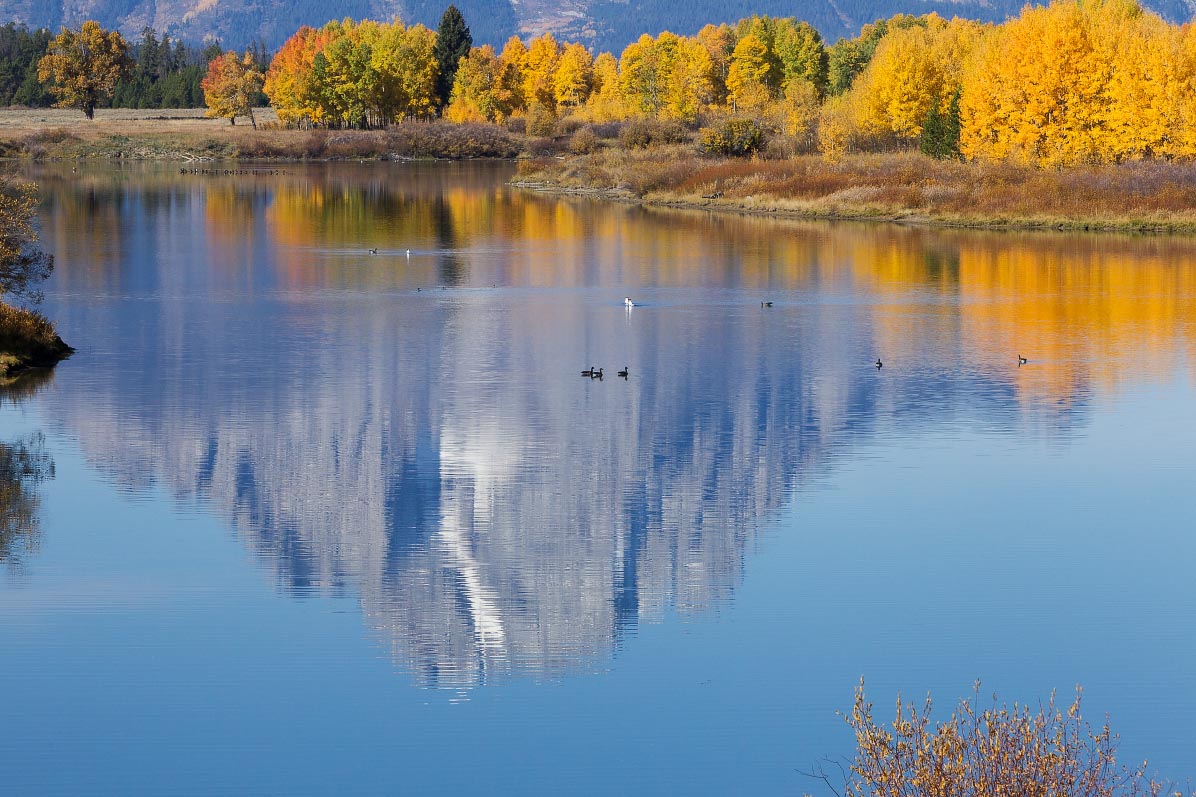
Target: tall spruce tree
[940, 131]
[453, 41]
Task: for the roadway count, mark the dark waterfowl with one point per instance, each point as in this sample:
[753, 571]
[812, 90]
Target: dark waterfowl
[623, 373]
[1021, 360]
[766, 304]
[879, 364]
[596, 374]
[373, 251]
[588, 372]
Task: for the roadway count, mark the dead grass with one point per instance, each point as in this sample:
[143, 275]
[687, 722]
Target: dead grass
[186, 135]
[27, 339]
[1141, 195]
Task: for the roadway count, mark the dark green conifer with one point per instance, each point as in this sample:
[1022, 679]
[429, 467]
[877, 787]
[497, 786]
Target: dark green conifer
[940, 131]
[453, 41]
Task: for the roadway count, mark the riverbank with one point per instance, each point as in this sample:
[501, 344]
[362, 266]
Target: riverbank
[187, 136]
[908, 188]
[28, 340]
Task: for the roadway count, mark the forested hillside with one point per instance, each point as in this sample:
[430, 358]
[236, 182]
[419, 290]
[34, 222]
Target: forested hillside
[600, 24]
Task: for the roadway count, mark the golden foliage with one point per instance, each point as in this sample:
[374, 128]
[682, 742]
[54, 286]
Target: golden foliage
[1091, 82]
[1075, 82]
[230, 86]
[84, 66]
[747, 80]
[354, 74]
[912, 70]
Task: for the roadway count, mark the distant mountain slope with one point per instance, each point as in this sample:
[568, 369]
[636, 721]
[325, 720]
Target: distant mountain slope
[603, 24]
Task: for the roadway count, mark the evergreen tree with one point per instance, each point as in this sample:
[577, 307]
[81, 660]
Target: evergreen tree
[453, 41]
[940, 131]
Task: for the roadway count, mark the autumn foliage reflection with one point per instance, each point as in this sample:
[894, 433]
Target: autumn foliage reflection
[1083, 308]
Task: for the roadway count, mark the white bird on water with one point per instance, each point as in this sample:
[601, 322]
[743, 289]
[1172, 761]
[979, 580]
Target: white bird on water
[408, 254]
[627, 301]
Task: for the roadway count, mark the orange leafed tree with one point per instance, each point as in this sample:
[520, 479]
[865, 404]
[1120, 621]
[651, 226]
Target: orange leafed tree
[230, 86]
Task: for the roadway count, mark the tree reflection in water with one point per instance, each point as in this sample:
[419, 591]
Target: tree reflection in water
[24, 463]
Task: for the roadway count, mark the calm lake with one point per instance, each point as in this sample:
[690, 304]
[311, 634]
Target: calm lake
[302, 519]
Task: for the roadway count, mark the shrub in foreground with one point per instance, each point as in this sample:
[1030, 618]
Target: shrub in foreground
[999, 751]
[738, 137]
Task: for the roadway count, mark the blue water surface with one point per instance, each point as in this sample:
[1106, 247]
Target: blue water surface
[303, 519]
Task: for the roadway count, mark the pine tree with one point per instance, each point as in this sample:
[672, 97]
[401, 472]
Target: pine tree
[453, 41]
[940, 131]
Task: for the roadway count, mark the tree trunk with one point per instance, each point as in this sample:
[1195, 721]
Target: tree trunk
[90, 109]
[252, 121]
[232, 120]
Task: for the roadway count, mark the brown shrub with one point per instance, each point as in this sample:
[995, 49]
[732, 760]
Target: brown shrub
[992, 751]
[583, 142]
[644, 133]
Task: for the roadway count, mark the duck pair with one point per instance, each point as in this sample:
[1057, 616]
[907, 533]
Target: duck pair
[596, 373]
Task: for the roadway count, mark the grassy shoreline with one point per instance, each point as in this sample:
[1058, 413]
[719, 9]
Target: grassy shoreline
[27, 341]
[903, 188]
[896, 187]
[187, 136]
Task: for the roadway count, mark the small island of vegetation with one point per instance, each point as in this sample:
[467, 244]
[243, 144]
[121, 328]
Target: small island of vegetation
[27, 338]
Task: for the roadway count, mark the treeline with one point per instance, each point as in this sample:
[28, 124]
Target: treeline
[167, 74]
[1076, 82]
[164, 74]
[20, 50]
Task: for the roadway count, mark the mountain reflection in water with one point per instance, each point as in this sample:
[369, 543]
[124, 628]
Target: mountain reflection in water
[414, 431]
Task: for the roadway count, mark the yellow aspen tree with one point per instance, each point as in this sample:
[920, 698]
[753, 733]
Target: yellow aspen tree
[801, 53]
[1139, 117]
[719, 41]
[1181, 107]
[289, 80]
[574, 77]
[475, 88]
[539, 69]
[1036, 91]
[606, 102]
[913, 70]
[405, 60]
[84, 66]
[764, 28]
[800, 108]
[230, 86]
[642, 75]
[747, 86]
[512, 60]
[687, 87]
[349, 82]
[836, 127]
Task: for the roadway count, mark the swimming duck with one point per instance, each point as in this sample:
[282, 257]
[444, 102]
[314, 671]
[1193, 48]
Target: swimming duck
[596, 374]
[879, 364]
[1021, 360]
[373, 251]
[623, 373]
[766, 304]
[588, 372]
[627, 301]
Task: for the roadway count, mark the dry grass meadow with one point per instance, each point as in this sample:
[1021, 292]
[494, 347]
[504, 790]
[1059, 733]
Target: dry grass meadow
[900, 186]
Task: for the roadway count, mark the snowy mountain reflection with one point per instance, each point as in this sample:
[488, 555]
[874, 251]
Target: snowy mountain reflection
[398, 430]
